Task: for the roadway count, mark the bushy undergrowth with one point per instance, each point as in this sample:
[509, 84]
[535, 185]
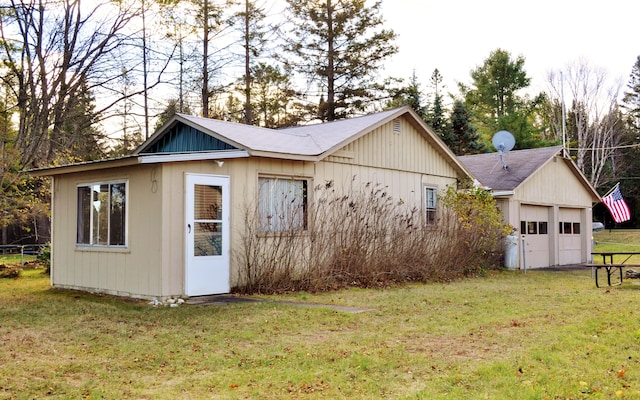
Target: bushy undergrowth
[366, 238]
[44, 258]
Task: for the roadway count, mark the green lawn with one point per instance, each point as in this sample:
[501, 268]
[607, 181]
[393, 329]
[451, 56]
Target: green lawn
[15, 258]
[618, 240]
[507, 335]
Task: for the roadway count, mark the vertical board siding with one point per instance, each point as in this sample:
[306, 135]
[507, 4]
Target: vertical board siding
[406, 151]
[131, 271]
[554, 183]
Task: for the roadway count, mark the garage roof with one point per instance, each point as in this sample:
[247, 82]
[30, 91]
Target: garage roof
[521, 164]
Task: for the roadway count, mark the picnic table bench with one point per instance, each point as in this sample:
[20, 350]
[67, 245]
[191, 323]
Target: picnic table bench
[610, 267]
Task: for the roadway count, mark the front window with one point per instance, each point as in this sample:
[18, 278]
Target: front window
[102, 214]
[431, 203]
[282, 204]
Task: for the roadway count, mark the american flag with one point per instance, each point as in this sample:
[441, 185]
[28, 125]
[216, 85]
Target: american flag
[617, 206]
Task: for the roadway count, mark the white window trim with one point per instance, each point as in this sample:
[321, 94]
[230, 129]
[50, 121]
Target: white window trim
[91, 246]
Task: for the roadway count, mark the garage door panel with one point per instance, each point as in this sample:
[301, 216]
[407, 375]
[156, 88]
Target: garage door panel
[535, 229]
[570, 237]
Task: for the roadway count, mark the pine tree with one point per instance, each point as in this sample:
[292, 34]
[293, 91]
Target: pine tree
[462, 137]
[631, 99]
[406, 95]
[339, 45]
[436, 116]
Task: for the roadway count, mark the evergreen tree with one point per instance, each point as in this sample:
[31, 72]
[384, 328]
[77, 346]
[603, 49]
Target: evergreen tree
[339, 45]
[436, 116]
[495, 103]
[462, 137]
[629, 156]
[631, 99]
[273, 98]
[81, 139]
[407, 95]
[171, 109]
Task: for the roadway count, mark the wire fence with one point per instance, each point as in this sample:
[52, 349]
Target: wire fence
[23, 250]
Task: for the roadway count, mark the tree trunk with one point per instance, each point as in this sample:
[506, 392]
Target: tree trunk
[331, 95]
[248, 117]
[205, 58]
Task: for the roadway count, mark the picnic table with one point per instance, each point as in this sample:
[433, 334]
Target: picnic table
[610, 267]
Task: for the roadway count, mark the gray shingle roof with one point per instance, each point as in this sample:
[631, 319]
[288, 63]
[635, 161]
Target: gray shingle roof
[487, 168]
[308, 140]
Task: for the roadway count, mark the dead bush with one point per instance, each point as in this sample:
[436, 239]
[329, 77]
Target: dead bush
[365, 238]
[10, 271]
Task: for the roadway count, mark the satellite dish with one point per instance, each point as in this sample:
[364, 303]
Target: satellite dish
[503, 141]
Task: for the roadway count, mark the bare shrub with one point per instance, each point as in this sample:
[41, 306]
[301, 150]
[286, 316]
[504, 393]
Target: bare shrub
[362, 238]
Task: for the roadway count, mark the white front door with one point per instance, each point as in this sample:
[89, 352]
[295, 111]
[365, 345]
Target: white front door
[207, 230]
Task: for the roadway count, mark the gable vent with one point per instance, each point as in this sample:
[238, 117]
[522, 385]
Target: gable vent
[396, 126]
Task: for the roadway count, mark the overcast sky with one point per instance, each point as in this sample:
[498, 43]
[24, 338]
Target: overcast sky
[456, 36]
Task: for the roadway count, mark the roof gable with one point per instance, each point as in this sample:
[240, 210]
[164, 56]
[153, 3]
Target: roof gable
[182, 138]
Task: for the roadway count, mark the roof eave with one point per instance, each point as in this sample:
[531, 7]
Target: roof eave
[85, 166]
[502, 193]
[285, 156]
[198, 156]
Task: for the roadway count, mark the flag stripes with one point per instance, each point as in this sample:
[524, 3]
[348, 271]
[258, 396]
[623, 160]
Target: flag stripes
[617, 206]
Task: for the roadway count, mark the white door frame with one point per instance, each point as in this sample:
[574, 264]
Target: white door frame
[207, 274]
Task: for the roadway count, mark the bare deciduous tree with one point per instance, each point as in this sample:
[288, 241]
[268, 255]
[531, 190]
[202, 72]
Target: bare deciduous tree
[55, 51]
[594, 128]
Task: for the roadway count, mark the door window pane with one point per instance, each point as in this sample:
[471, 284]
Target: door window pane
[207, 240]
[207, 229]
[208, 202]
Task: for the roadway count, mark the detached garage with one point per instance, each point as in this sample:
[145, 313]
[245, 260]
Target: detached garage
[543, 195]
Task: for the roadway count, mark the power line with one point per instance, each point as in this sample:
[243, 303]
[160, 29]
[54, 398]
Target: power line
[626, 146]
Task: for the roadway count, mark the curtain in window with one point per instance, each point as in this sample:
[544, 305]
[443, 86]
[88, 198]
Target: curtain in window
[281, 204]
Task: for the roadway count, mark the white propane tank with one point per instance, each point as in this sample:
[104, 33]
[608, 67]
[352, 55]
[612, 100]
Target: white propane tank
[511, 252]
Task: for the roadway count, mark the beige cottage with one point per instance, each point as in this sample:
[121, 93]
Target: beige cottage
[165, 221]
[542, 194]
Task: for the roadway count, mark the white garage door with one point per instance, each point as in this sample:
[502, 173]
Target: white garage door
[570, 236]
[534, 228]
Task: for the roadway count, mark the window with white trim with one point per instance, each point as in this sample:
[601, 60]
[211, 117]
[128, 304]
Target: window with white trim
[282, 204]
[431, 204]
[101, 214]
